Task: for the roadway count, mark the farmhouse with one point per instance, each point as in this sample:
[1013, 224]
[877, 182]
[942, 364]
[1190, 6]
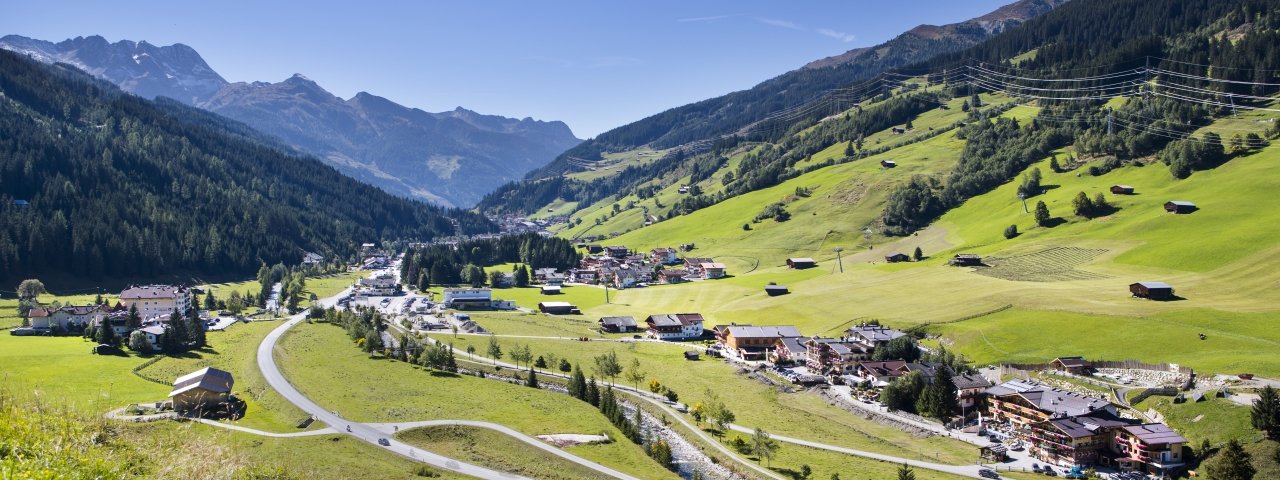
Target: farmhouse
[775, 290]
[833, 356]
[694, 265]
[204, 391]
[69, 317]
[1179, 206]
[872, 336]
[463, 298]
[558, 308]
[966, 260]
[675, 275]
[1122, 190]
[153, 334]
[550, 290]
[676, 326]
[594, 249]
[712, 270]
[969, 389]
[1072, 365]
[754, 343]
[156, 300]
[1151, 290]
[788, 350]
[618, 324]
[801, 263]
[618, 252]
[888, 163]
[1153, 448]
[897, 257]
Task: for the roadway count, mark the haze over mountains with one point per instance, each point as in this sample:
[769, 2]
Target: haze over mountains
[450, 158]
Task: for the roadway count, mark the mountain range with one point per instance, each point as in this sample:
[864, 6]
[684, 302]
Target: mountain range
[449, 158]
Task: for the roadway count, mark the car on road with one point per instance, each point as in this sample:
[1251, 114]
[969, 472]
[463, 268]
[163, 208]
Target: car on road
[988, 473]
[384, 442]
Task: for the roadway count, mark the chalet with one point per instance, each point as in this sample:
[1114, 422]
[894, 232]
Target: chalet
[881, 373]
[789, 350]
[872, 336]
[664, 256]
[888, 164]
[378, 286]
[694, 265]
[595, 249]
[367, 249]
[555, 279]
[1022, 403]
[897, 257]
[117, 318]
[505, 280]
[153, 333]
[464, 298]
[712, 270]
[966, 260]
[1122, 189]
[156, 300]
[618, 252]
[558, 308]
[1072, 365]
[969, 389]
[1180, 206]
[204, 391]
[618, 324]
[752, 342]
[374, 263]
[68, 317]
[550, 290]
[622, 277]
[582, 275]
[775, 290]
[1152, 448]
[312, 258]
[801, 263]
[1151, 290]
[1070, 441]
[675, 275]
[677, 326]
[833, 356]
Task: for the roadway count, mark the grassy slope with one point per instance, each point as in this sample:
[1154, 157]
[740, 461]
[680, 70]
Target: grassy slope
[62, 368]
[493, 449]
[321, 361]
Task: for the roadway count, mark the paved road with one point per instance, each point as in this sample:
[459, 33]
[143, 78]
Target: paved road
[372, 433]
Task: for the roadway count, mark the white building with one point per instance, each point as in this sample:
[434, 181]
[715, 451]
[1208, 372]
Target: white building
[157, 300]
[67, 317]
[468, 297]
[678, 326]
[378, 286]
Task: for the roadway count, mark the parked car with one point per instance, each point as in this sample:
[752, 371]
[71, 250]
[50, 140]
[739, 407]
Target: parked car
[384, 442]
[988, 473]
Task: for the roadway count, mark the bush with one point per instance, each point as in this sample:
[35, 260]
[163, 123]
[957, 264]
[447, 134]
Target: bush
[1011, 231]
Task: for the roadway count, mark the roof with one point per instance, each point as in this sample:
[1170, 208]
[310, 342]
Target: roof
[1072, 361]
[664, 250]
[968, 255]
[964, 382]
[1048, 399]
[1155, 434]
[1086, 426]
[207, 378]
[1154, 284]
[748, 331]
[619, 321]
[156, 330]
[712, 265]
[1123, 186]
[21, 203]
[696, 260]
[150, 291]
[801, 260]
[874, 333]
[38, 312]
[794, 345]
[555, 304]
[674, 319]
[775, 287]
[551, 288]
[1182, 203]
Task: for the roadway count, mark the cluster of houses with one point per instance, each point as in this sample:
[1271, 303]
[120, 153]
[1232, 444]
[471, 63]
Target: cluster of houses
[620, 267]
[373, 258]
[383, 285]
[1069, 429]
[155, 303]
[667, 326]
[510, 224]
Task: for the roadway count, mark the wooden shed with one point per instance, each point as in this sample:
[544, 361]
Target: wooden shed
[202, 392]
[1122, 189]
[801, 263]
[775, 290]
[1151, 290]
[966, 260]
[558, 308]
[1179, 206]
[1073, 365]
[888, 163]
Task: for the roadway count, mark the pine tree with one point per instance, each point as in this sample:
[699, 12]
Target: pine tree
[195, 329]
[1265, 415]
[1042, 214]
[918, 255]
[107, 333]
[134, 320]
[1232, 463]
[905, 473]
[593, 392]
[178, 327]
[532, 379]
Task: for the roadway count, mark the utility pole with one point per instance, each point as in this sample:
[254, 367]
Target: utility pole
[1023, 197]
[839, 259]
[1108, 122]
[606, 289]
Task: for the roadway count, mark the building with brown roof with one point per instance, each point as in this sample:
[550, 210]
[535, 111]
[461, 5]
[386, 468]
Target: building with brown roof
[201, 392]
[675, 326]
[752, 342]
[157, 300]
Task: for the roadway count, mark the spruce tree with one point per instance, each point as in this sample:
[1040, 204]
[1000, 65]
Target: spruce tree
[1232, 463]
[107, 333]
[593, 392]
[905, 473]
[134, 320]
[918, 255]
[1266, 413]
[1042, 214]
[532, 379]
[578, 387]
[178, 327]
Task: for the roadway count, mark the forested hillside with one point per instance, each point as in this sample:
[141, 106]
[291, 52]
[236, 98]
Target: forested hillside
[99, 183]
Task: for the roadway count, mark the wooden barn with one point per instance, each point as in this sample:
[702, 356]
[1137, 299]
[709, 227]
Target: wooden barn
[775, 290]
[801, 263]
[558, 308]
[888, 163]
[1179, 206]
[1122, 189]
[1151, 290]
[202, 392]
[1073, 365]
[897, 257]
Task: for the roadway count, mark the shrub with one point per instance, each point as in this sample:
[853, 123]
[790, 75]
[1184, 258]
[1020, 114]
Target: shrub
[1011, 231]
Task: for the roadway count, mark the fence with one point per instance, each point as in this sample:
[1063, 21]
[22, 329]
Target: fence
[1165, 391]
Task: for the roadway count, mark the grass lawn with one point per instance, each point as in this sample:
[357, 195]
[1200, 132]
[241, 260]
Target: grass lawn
[328, 285]
[537, 324]
[62, 368]
[797, 414]
[235, 350]
[1214, 419]
[323, 363]
[486, 447]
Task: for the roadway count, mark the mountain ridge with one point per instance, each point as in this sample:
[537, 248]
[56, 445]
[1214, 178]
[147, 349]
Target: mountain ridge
[451, 158]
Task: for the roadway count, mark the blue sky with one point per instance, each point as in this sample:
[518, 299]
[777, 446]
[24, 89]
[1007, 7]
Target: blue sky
[593, 64]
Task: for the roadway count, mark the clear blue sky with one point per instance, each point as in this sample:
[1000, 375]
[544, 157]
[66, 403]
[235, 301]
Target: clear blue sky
[593, 64]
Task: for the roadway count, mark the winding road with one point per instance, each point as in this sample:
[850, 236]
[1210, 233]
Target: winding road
[373, 433]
